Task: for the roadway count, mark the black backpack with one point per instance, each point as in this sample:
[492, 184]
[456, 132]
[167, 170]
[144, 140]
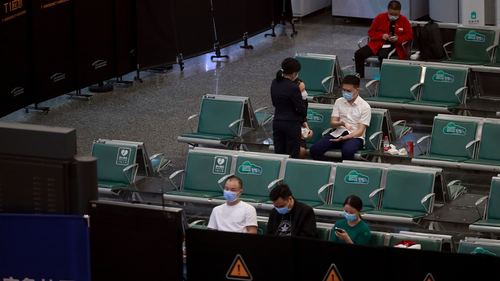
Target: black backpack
[431, 44]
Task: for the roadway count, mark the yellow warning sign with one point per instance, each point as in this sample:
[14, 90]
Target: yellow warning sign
[429, 277]
[238, 270]
[333, 274]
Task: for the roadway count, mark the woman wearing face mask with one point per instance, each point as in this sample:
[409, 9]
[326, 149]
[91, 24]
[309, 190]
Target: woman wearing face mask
[290, 109]
[352, 230]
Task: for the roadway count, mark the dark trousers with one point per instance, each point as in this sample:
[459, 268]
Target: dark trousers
[348, 147]
[286, 137]
[366, 52]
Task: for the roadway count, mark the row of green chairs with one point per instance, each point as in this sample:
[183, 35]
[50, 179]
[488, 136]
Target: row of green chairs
[474, 45]
[221, 121]
[420, 86]
[119, 162]
[474, 246]
[427, 242]
[489, 221]
[462, 142]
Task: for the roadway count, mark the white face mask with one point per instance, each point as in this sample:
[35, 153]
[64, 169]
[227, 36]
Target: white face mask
[295, 77]
[304, 95]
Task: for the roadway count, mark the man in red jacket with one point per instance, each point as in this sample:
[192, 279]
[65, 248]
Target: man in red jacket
[389, 30]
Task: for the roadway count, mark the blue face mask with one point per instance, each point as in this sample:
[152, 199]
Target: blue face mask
[393, 17]
[230, 196]
[283, 210]
[348, 96]
[349, 217]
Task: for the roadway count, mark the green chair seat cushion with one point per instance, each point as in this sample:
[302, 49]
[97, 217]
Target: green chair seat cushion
[442, 158]
[248, 198]
[483, 162]
[195, 193]
[310, 203]
[493, 64]
[339, 207]
[488, 222]
[468, 62]
[387, 99]
[209, 137]
[435, 103]
[108, 184]
[361, 151]
[396, 213]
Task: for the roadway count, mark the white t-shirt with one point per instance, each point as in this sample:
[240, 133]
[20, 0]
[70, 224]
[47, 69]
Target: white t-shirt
[359, 112]
[233, 218]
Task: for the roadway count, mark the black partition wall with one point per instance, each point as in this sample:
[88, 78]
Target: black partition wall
[95, 41]
[229, 21]
[258, 16]
[125, 36]
[15, 56]
[53, 49]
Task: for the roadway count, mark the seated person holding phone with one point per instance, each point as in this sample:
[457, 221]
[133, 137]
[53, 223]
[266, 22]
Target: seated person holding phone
[352, 230]
[389, 30]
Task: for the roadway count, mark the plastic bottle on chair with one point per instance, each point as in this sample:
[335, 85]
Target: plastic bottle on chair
[387, 145]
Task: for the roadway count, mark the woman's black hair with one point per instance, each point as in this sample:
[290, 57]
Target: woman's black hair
[288, 66]
[355, 202]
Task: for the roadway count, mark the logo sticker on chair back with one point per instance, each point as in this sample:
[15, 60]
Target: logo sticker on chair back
[473, 36]
[220, 164]
[452, 129]
[356, 178]
[250, 169]
[123, 157]
[314, 116]
[441, 76]
[480, 250]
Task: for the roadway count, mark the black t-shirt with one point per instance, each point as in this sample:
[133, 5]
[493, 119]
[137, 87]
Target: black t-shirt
[300, 221]
[392, 28]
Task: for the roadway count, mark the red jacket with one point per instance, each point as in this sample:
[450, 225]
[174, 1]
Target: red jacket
[380, 26]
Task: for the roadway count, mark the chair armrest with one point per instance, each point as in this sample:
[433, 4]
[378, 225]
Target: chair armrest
[413, 89]
[362, 39]
[391, 53]
[273, 183]
[374, 136]
[260, 109]
[197, 222]
[324, 81]
[134, 168]
[234, 123]
[369, 84]
[158, 155]
[173, 175]
[373, 194]
[489, 49]
[478, 202]
[453, 196]
[346, 67]
[222, 180]
[445, 50]
[427, 197]
[321, 189]
[397, 123]
[464, 89]
[326, 131]
[420, 140]
[469, 145]
[189, 122]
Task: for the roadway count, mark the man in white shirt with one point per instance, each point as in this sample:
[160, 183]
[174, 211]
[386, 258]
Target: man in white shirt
[234, 215]
[350, 117]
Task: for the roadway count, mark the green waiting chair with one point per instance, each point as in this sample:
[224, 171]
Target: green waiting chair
[426, 243]
[472, 45]
[451, 141]
[488, 154]
[490, 218]
[220, 123]
[390, 94]
[407, 196]
[323, 233]
[204, 168]
[351, 178]
[319, 117]
[379, 238]
[445, 87]
[317, 74]
[116, 164]
[480, 247]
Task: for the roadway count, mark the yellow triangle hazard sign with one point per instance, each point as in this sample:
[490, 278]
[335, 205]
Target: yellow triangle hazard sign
[429, 277]
[332, 274]
[238, 270]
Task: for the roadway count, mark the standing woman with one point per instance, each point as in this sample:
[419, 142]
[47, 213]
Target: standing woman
[290, 109]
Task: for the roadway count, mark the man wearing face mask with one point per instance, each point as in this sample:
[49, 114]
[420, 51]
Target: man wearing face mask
[350, 117]
[389, 30]
[234, 215]
[290, 217]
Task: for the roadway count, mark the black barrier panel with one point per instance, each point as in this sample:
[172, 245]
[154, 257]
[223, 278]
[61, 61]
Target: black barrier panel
[95, 41]
[156, 42]
[282, 11]
[415, 265]
[54, 48]
[314, 259]
[126, 37]
[214, 255]
[15, 76]
[135, 242]
[194, 27]
[229, 21]
[258, 16]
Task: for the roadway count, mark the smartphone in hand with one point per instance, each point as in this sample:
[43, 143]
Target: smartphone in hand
[339, 230]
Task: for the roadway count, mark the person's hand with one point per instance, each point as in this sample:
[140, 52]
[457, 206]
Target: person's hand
[386, 36]
[310, 134]
[302, 87]
[341, 138]
[342, 235]
[394, 39]
[349, 128]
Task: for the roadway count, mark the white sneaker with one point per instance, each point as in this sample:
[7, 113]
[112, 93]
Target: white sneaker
[415, 56]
